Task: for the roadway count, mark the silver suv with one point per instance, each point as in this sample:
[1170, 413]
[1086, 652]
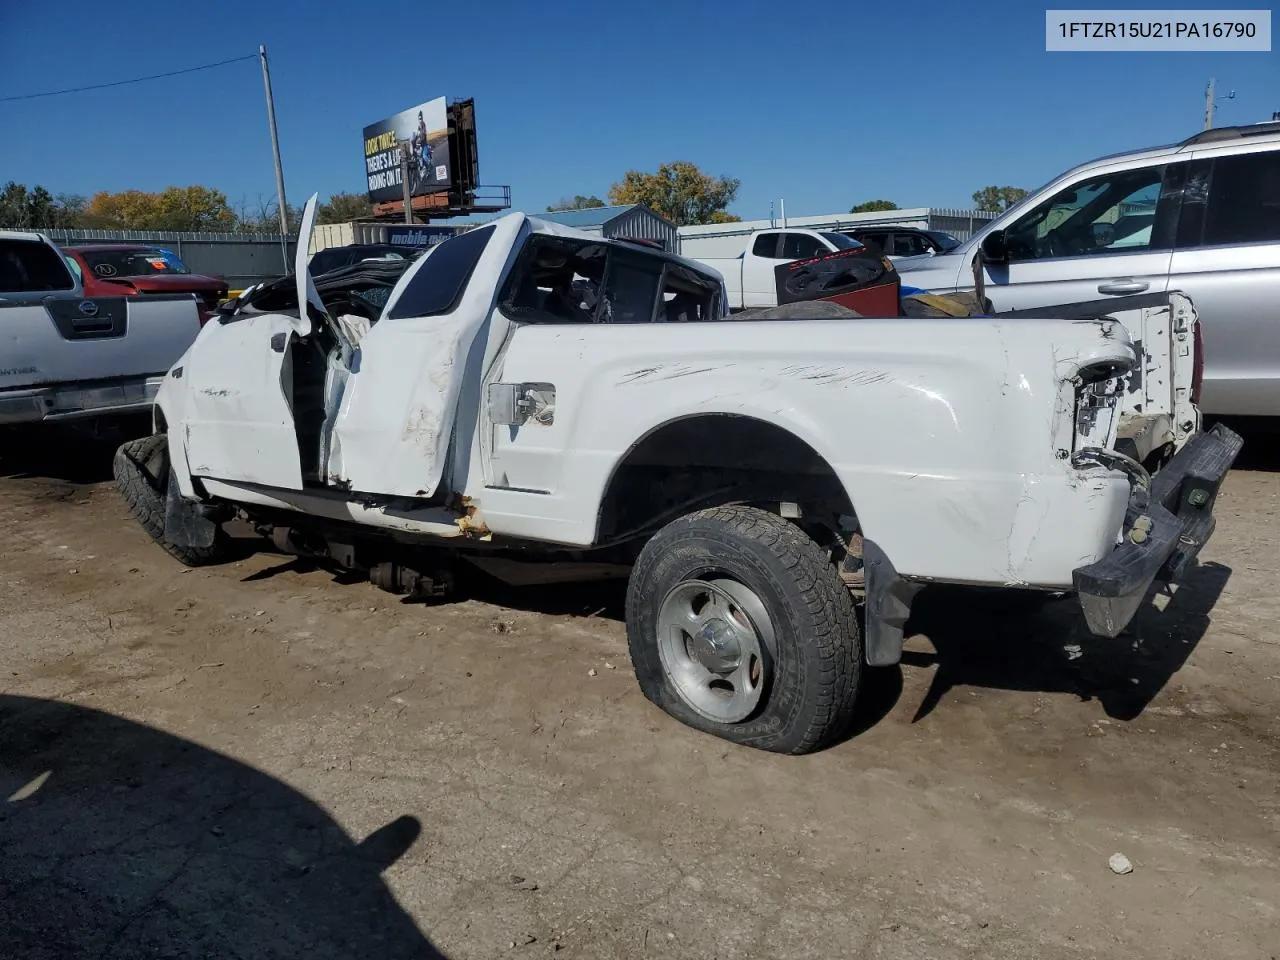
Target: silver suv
[1201, 216]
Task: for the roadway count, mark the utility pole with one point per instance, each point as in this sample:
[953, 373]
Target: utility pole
[275, 150]
[1210, 100]
[404, 181]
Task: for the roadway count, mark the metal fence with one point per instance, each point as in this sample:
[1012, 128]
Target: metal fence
[241, 258]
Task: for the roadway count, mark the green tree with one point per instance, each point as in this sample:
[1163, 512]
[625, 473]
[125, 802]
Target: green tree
[871, 206]
[342, 208]
[13, 205]
[723, 216]
[579, 202]
[37, 208]
[194, 208]
[997, 199]
[42, 209]
[678, 191]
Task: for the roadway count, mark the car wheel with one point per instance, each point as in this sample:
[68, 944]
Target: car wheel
[739, 625]
[141, 469]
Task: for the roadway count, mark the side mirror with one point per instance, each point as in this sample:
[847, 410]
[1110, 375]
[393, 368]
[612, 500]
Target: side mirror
[994, 247]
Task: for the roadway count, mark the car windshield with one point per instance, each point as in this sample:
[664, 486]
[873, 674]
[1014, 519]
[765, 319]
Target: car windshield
[945, 240]
[841, 242]
[134, 262]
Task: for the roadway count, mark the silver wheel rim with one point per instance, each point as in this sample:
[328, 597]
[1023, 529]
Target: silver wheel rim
[715, 641]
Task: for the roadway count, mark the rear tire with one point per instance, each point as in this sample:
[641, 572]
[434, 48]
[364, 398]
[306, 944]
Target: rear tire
[739, 625]
[141, 469]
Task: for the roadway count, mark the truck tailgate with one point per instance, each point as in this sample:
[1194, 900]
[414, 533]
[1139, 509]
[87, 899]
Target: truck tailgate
[74, 339]
[1158, 411]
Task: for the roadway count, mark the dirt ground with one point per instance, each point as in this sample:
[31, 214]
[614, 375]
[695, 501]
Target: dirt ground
[259, 760]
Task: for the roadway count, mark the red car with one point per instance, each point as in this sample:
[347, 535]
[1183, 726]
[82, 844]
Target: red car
[117, 269]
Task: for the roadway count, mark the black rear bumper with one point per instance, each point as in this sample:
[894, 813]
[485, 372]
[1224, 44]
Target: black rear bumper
[1165, 528]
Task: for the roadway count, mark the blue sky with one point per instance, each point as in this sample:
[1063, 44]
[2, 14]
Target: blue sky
[824, 105]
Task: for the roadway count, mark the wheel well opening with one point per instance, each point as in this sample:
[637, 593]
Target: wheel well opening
[714, 459]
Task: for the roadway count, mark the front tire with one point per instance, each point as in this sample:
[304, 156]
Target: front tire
[141, 469]
[739, 625]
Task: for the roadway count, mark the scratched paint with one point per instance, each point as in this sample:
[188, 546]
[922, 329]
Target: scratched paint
[661, 374]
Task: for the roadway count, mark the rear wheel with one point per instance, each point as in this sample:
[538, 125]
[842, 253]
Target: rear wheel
[739, 625]
[141, 469]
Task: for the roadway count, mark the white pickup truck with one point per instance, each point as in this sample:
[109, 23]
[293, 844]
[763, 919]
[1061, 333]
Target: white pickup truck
[76, 360]
[527, 395]
[749, 277]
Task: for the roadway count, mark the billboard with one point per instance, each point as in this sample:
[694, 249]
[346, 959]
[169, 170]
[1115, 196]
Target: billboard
[426, 127]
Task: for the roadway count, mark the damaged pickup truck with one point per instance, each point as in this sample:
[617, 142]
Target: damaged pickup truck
[526, 395]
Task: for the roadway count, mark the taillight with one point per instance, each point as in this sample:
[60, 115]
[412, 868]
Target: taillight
[1197, 367]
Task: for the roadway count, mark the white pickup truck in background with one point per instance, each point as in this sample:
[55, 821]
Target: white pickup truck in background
[528, 396]
[749, 278]
[83, 361]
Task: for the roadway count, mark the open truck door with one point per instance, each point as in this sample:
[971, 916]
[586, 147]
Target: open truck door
[240, 424]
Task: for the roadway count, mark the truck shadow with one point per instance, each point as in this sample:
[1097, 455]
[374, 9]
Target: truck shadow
[53, 452]
[119, 840]
[991, 639]
[586, 598]
[981, 643]
[1261, 435]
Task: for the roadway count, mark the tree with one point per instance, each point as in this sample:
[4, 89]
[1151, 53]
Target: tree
[579, 202]
[262, 217]
[126, 210]
[678, 191]
[173, 208]
[871, 206]
[997, 199]
[70, 209]
[341, 208]
[37, 208]
[723, 216]
[13, 205]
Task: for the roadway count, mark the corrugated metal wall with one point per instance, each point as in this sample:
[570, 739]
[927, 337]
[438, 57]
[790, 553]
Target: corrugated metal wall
[961, 224]
[642, 223]
[242, 258]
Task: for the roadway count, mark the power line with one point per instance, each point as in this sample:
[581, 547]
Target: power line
[121, 83]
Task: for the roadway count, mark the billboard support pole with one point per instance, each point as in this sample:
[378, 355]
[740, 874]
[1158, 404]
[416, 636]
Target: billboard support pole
[275, 152]
[404, 181]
